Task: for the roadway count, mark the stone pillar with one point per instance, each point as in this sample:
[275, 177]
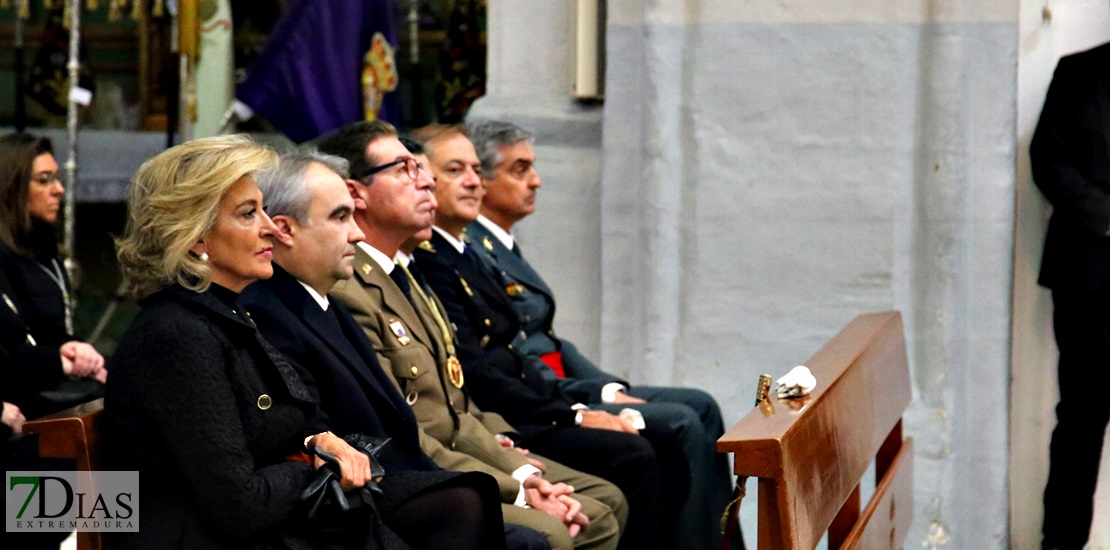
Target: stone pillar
[530, 75]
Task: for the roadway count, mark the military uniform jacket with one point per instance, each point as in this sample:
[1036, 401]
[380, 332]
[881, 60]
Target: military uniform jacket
[455, 433]
[534, 303]
[499, 378]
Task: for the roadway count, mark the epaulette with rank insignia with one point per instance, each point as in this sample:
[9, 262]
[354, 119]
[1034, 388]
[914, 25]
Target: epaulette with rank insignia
[427, 246]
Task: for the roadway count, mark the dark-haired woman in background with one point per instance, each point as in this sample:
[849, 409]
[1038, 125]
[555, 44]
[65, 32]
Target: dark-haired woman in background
[38, 290]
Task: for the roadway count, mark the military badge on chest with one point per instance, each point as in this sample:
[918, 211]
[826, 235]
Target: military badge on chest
[398, 330]
[454, 371]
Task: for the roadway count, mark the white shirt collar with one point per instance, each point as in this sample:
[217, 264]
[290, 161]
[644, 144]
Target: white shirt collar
[505, 237]
[403, 259]
[322, 300]
[459, 245]
[384, 261]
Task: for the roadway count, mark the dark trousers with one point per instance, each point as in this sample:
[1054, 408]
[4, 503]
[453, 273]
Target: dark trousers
[649, 469]
[1082, 326]
[693, 419]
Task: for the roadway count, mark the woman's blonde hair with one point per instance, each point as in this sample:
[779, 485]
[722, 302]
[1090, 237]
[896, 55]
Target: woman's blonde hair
[174, 200]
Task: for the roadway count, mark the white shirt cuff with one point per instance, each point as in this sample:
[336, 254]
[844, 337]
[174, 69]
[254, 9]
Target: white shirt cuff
[521, 474]
[609, 391]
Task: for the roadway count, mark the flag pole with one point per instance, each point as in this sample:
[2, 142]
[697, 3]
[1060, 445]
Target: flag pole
[20, 69]
[74, 66]
[414, 63]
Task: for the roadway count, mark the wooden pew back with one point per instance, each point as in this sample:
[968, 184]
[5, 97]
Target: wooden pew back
[811, 453]
[73, 433]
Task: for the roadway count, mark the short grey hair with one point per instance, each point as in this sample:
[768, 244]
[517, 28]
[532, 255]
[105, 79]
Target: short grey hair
[284, 190]
[488, 137]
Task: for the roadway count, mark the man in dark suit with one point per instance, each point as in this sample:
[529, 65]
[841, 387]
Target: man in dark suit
[314, 247]
[511, 182]
[550, 421]
[393, 203]
[1070, 153]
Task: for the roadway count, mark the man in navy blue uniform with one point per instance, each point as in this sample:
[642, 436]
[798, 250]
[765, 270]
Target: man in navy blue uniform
[511, 182]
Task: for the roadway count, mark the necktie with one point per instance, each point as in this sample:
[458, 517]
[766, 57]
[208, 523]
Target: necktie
[417, 276]
[470, 256]
[398, 276]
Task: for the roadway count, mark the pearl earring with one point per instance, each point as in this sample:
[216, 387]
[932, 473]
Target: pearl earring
[204, 256]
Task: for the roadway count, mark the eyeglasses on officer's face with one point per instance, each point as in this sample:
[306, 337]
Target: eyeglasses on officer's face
[406, 166]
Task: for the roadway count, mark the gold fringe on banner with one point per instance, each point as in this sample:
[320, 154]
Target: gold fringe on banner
[137, 10]
[188, 28]
[158, 9]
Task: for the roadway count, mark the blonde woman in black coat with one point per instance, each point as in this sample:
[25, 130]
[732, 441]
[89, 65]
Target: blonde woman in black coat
[211, 416]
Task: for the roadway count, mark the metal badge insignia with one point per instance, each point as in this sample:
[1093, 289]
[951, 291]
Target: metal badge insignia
[514, 289]
[366, 269]
[454, 371]
[427, 245]
[466, 287]
[264, 402]
[485, 341]
[486, 243]
[399, 331]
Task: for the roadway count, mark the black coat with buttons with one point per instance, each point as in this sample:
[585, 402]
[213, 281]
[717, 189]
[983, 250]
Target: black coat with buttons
[208, 412]
[498, 377]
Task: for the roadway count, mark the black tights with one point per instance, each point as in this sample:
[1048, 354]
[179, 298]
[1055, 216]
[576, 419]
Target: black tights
[452, 517]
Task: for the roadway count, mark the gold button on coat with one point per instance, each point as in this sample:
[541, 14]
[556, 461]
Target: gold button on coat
[264, 402]
[415, 370]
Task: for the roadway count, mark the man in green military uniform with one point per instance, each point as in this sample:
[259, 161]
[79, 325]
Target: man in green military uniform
[393, 203]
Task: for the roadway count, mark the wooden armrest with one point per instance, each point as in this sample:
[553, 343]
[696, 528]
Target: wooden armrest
[71, 433]
[810, 453]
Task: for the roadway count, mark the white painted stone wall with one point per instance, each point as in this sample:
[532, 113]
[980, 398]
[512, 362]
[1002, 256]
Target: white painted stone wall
[773, 169]
[763, 171]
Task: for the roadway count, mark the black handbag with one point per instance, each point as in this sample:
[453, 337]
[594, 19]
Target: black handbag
[332, 514]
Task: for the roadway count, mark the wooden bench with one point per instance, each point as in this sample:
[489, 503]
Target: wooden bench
[811, 453]
[73, 433]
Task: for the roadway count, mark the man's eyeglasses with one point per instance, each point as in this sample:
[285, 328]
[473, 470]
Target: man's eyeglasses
[409, 167]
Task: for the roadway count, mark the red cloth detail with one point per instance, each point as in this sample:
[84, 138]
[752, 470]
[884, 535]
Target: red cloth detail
[555, 361]
[299, 457]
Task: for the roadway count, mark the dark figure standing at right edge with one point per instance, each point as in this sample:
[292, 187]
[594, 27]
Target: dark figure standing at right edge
[1071, 166]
